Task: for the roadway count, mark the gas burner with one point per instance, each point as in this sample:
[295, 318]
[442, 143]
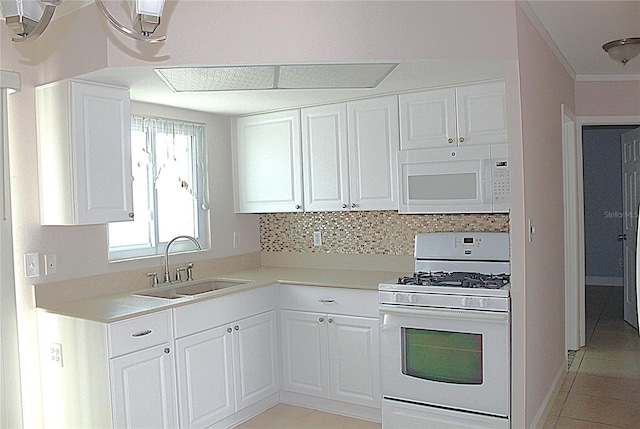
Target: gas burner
[456, 279]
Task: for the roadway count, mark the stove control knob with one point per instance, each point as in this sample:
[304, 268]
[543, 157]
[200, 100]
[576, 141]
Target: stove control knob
[397, 297]
[466, 301]
[483, 302]
[413, 298]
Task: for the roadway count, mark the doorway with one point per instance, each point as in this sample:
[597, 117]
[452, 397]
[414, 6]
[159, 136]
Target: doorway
[578, 298]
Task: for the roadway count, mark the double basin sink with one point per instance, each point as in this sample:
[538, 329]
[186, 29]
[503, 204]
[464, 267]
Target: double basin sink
[189, 289]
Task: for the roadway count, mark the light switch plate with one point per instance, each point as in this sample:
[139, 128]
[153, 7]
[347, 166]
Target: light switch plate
[31, 265]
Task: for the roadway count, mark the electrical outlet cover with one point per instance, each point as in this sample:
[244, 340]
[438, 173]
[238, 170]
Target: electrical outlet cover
[31, 265]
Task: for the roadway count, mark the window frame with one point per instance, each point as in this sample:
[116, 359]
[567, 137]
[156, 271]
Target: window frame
[155, 247]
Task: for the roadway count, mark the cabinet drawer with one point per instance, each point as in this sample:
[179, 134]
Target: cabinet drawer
[353, 302]
[215, 312]
[139, 333]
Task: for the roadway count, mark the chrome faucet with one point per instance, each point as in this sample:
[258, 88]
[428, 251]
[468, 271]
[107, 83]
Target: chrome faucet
[167, 276]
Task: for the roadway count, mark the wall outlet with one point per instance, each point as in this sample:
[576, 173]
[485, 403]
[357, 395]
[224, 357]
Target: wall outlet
[317, 238]
[50, 264]
[55, 354]
[31, 265]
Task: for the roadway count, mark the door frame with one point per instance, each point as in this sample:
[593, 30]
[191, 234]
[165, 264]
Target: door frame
[576, 299]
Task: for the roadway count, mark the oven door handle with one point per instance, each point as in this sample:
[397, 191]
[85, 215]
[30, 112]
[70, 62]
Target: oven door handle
[445, 313]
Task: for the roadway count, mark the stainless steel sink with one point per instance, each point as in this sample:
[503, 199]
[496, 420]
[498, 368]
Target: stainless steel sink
[186, 290]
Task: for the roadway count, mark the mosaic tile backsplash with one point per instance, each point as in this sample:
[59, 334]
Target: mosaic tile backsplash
[368, 232]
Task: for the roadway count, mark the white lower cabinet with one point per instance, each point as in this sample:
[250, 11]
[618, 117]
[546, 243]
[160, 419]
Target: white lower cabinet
[331, 349]
[331, 356]
[225, 369]
[116, 375]
[144, 389]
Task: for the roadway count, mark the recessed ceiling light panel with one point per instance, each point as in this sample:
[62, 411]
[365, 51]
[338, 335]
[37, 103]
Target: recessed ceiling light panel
[333, 75]
[295, 76]
[195, 79]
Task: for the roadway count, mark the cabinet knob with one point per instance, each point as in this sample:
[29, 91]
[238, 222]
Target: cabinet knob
[167, 350]
[344, 206]
[461, 139]
[298, 207]
[237, 328]
[131, 215]
[330, 320]
[321, 319]
[353, 205]
[229, 330]
[450, 140]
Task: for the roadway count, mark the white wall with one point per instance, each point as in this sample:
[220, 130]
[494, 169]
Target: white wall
[539, 307]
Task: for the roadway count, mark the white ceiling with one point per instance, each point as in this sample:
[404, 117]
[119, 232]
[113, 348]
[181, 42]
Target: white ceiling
[579, 28]
[575, 30]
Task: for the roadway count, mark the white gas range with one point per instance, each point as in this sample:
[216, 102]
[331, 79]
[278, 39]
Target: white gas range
[446, 335]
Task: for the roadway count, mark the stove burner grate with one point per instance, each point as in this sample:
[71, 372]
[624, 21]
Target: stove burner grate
[456, 279]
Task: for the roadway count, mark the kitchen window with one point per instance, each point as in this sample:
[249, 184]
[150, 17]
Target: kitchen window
[169, 189]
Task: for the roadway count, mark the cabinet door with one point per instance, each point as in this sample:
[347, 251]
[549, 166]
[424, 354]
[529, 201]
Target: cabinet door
[305, 358]
[373, 151]
[354, 360]
[143, 389]
[255, 358]
[205, 377]
[428, 119]
[267, 163]
[482, 113]
[325, 158]
[101, 139]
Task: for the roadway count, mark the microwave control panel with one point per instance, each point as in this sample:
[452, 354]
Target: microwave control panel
[501, 184]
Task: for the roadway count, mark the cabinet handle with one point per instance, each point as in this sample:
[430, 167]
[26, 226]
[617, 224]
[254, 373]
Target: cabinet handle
[237, 328]
[461, 139]
[321, 319]
[327, 300]
[229, 330]
[330, 320]
[167, 350]
[450, 140]
[141, 333]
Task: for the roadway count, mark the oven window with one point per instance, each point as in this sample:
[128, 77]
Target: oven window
[448, 357]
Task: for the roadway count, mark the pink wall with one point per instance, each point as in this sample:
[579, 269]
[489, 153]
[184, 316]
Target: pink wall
[544, 85]
[607, 98]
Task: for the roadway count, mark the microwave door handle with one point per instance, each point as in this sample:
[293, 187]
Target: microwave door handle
[487, 181]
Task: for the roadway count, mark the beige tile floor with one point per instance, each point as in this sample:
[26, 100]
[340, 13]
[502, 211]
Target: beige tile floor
[284, 416]
[602, 387]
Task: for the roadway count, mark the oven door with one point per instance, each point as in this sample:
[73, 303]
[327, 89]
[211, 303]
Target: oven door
[456, 359]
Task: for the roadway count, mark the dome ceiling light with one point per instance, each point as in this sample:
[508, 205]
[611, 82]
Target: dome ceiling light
[623, 50]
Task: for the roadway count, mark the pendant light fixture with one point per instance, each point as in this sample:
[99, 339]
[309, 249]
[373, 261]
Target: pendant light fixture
[29, 18]
[623, 50]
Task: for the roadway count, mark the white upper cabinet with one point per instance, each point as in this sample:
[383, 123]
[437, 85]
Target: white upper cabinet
[465, 115]
[325, 157]
[349, 155]
[267, 161]
[373, 151]
[84, 153]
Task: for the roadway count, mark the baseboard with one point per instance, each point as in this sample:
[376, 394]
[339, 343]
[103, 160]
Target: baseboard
[336, 407]
[545, 409]
[604, 281]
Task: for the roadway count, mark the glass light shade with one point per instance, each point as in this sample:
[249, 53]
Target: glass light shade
[145, 15]
[623, 50]
[22, 16]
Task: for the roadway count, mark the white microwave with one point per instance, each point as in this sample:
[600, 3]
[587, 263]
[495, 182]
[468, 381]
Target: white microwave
[472, 179]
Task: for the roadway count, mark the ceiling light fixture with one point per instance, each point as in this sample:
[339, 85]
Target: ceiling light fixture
[623, 50]
[29, 18]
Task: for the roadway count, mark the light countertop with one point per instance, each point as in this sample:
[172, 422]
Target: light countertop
[115, 307]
